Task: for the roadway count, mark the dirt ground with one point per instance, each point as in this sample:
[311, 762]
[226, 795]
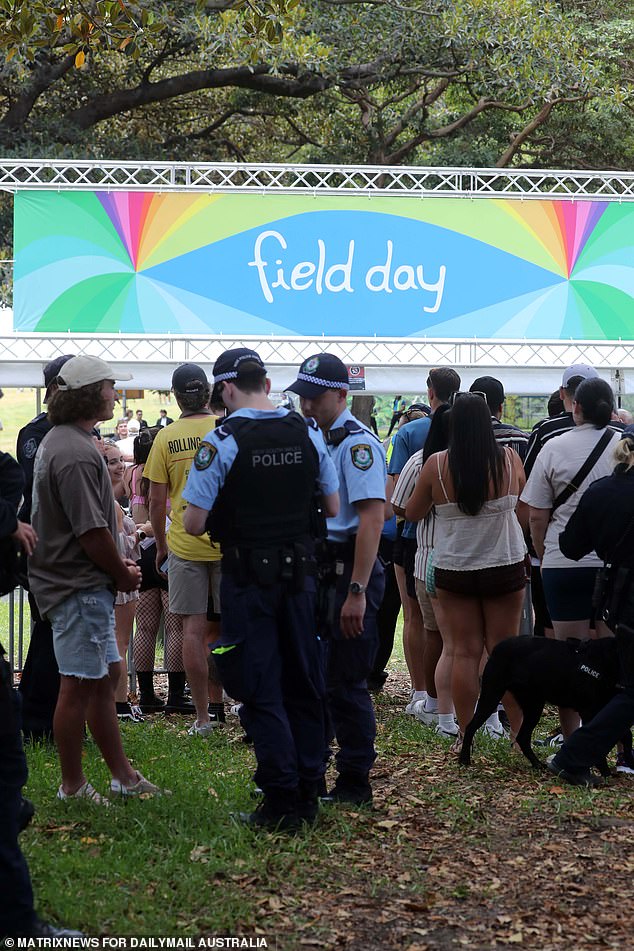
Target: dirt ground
[482, 857]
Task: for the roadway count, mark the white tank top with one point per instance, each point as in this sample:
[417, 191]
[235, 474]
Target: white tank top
[490, 539]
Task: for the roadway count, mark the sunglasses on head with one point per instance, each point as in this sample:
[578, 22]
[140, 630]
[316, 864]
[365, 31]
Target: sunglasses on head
[456, 396]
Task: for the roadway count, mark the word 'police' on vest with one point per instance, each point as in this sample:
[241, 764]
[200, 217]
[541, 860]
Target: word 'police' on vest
[286, 456]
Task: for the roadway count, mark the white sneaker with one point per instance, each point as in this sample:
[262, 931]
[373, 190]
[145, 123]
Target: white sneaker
[141, 786]
[423, 715]
[85, 792]
[205, 730]
[494, 734]
[448, 734]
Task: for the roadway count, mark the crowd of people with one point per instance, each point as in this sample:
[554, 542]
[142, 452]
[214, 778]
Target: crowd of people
[276, 548]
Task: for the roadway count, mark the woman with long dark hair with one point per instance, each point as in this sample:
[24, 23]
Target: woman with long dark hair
[479, 548]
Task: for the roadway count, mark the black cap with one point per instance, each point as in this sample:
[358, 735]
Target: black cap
[189, 378]
[228, 365]
[51, 371]
[323, 371]
[492, 389]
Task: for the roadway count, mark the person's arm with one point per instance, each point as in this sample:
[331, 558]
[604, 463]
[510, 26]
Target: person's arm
[100, 547]
[158, 514]
[195, 519]
[538, 520]
[371, 523]
[389, 509]
[330, 504]
[421, 500]
[26, 537]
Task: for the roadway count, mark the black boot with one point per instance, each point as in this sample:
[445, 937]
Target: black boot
[278, 812]
[351, 787]
[148, 700]
[308, 800]
[176, 699]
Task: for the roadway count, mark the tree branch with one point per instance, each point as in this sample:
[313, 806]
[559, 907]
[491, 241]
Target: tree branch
[257, 78]
[541, 117]
[43, 78]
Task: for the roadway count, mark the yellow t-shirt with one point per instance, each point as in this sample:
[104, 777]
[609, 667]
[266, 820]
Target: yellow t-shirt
[169, 463]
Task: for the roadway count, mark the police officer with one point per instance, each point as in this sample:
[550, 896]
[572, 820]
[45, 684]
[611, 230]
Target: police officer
[351, 570]
[258, 474]
[39, 685]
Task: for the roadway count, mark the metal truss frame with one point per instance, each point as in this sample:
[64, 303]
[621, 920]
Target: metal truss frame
[16, 175]
[371, 352]
[70, 175]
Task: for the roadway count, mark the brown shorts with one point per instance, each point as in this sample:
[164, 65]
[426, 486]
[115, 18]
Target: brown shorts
[483, 582]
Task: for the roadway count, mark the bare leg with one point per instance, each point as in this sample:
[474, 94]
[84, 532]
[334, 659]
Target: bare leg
[442, 675]
[463, 628]
[123, 621]
[197, 634]
[68, 727]
[104, 726]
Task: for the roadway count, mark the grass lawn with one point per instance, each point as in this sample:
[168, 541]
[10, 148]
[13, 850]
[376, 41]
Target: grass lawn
[485, 857]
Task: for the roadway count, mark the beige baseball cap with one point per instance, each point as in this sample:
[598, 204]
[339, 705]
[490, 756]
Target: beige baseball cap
[84, 370]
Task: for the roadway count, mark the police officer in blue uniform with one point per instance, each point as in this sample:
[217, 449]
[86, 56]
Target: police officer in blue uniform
[351, 573]
[259, 475]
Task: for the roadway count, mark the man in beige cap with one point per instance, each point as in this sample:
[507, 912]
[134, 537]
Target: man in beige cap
[75, 571]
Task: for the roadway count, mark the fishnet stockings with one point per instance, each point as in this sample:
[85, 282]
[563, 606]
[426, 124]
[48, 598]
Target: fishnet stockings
[150, 606]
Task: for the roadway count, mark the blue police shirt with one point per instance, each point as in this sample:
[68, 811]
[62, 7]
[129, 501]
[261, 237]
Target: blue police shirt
[360, 463]
[203, 485]
[408, 440]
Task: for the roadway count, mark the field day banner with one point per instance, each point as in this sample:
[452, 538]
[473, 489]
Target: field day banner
[344, 265]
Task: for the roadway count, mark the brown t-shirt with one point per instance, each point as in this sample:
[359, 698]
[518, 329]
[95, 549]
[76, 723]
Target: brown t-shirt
[72, 494]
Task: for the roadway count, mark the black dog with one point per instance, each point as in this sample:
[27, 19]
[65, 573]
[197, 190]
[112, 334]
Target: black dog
[582, 675]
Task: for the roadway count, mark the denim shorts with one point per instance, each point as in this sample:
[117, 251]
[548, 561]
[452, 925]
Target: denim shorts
[83, 634]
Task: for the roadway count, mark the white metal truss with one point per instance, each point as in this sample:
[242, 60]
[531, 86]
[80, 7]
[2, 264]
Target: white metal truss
[376, 352]
[16, 175]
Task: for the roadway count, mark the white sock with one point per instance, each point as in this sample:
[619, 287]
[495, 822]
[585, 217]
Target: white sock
[419, 695]
[494, 722]
[431, 704]
[446, 721]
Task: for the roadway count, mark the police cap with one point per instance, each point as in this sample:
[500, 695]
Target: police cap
[323, 371]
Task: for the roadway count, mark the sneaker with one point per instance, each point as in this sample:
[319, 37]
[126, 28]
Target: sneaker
[126, 713]
[624, 764]
[493, 734]
[411, 706]
[583, 778]
[86, 791]
[44, 929]
[554, 741]
[141, 786]
[205, 730]
[234, 709]
[447, 734]
[423, 715]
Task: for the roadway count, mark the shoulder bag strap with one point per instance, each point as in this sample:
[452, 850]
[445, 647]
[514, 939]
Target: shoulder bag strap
[592, 459]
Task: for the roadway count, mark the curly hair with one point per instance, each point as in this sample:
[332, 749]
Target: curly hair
[69, 406]
[624, 452]
[194, 402]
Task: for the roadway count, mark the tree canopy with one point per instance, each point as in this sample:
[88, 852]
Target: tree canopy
[485, 82]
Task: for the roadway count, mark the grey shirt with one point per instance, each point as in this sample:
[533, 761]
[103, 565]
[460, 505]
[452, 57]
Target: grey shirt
[72, 494]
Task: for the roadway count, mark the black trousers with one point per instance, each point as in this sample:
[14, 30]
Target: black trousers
[596, 738]
[16, 895]
[39, 686]
[387, 615]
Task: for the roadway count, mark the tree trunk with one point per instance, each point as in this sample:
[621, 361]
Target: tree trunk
[362, 408]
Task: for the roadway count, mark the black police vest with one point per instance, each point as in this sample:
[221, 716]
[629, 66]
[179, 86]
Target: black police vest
[268, 495]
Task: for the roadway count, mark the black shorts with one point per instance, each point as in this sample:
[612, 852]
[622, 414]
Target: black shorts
[410, 546]
[483, 582]
[397, 549]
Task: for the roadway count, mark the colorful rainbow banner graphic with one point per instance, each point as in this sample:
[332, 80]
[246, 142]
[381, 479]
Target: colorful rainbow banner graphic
[340, 265]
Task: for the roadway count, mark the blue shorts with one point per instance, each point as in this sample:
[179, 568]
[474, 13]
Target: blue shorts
[83, 634]
[568, 593]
